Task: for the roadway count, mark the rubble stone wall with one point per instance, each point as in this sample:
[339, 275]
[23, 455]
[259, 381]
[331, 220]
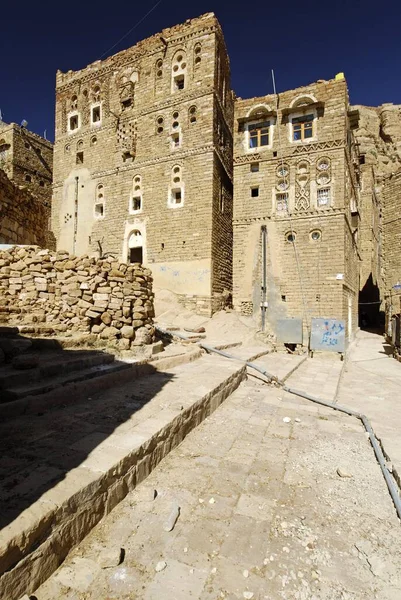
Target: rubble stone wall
[24, 219]
[104, 297]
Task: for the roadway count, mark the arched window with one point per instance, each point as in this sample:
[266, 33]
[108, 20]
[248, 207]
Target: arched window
[99, 201]
[197, 55]
[159, 124]
[176, 193]
[136, 196]
[135, 247]
[28, 178]
[74, 102]
[192, 114]
[96, 93]
[179, 70]
[159, 69]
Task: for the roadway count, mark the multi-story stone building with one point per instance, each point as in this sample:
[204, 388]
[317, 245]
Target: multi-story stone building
[143, 160]
[27, 160]
[296, 181]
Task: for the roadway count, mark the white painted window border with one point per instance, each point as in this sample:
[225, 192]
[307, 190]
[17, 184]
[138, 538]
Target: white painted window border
[301, 113]
[95, 105]
[172, 205]
[130, 209]
[272, 125]
[96, 216]
[73, 113]
[330, 203]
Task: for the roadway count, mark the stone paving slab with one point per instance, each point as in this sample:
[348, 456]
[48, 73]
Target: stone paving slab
[371, 384]
[264, 515]
[71, 466]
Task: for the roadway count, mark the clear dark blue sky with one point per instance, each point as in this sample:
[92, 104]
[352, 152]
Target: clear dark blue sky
[302, 41]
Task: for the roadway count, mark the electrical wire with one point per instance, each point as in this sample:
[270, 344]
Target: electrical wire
[132, 29]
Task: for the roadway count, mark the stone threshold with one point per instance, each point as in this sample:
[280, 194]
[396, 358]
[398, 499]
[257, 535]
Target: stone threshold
[34, 545]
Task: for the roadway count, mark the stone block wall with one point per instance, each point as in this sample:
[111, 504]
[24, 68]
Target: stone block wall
[391, 231]
[104, 297]
[24, 219]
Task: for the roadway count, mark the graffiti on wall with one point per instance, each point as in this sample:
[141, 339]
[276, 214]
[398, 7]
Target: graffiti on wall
[327, 334]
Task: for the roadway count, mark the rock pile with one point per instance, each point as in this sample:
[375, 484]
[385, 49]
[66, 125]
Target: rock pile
[104, 297]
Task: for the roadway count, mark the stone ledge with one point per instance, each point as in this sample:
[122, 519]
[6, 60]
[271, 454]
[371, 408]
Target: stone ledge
[36, 543]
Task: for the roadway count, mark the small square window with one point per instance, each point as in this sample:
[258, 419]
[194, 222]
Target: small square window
[254, 192]
[80, 158]
[73, 122]
[254, 167]
[175, 140]
[323, 197]
[176, 196]
[96, 115]
[136, 203]
[179, 82]
[99, 210]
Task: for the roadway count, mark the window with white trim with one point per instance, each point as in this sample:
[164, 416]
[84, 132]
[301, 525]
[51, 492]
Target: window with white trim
[259, 134]
[282, 202]
[324, 197]
[73, 122]
[302, 127]
[176, 192]
[99, 201]
[136, 196]
[179, 71]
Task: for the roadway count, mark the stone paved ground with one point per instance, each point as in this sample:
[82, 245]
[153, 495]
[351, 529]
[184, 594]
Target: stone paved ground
[263, 511]
[371, 384]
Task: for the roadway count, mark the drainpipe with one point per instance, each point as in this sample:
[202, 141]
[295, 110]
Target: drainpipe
[74, 241]
[264, 276]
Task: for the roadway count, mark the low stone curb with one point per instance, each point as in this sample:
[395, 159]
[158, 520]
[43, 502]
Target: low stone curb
[35, 544]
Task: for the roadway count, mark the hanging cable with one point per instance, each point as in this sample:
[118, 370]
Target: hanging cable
[283, 171]
[131, 30]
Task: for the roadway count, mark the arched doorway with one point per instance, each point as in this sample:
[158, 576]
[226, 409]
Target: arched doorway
[135, 247]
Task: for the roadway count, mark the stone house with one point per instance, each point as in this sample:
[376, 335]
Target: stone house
[296, 178]
[26, 162]
[143, 160]
[27, 159]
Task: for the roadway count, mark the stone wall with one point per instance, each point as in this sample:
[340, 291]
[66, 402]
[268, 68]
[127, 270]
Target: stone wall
[115, 178]
[277, 185]
[27, 158]
[391, 225]
[104, 297]
[24, 219]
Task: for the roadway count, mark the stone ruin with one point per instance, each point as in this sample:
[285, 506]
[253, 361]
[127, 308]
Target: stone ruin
[108, 301]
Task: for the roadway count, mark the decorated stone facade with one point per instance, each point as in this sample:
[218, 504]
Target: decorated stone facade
[296, 173]
[143, 161]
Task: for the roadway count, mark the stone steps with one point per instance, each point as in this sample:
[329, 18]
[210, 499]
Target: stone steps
[117, 439]
[50, 365]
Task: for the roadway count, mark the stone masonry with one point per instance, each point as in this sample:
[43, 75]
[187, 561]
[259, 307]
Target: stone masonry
[106, 298]
[379, 143]
[27, 159]
[143, 160]
[296, 172]
[24, 218]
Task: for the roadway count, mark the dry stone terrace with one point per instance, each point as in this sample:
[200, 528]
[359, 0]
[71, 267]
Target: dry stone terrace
[105, 298]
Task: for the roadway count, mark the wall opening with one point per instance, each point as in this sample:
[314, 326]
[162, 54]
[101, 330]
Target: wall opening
[135, 247]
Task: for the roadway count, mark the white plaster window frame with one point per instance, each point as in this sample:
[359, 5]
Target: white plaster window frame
[171, 189]
[321, 189]
[180, 71]
[303, 112]
[258, 149]
[137, 194]
[71, 114]
[277, 200]
[95, 214]
[96, 105]
[175, 132]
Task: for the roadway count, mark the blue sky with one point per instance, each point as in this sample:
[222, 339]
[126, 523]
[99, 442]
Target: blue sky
[301, 41]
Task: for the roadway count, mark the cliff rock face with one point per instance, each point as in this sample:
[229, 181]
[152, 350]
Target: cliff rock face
[379, 138]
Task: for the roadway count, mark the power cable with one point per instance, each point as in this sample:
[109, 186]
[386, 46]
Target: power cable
[132, 29]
